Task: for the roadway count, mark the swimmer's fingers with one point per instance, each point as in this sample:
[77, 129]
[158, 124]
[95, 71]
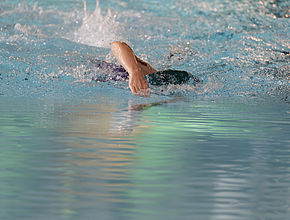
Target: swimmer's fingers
[147, 92]
[133, 89]
[144, 92]
[143, 89]
[140, 92]
[139, 85]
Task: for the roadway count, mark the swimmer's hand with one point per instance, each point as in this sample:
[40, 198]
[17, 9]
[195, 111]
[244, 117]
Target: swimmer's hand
[138, 84]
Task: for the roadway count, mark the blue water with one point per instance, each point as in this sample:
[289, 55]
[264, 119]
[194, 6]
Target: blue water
[72, 148]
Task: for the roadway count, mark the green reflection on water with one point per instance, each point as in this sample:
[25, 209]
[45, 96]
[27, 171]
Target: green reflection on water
[133, 162]
[166, 132]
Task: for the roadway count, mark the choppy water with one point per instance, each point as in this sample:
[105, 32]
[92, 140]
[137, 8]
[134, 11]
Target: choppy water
[239, 48]
[72, 148]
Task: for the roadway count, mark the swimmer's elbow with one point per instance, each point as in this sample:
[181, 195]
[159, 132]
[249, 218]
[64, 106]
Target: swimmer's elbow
[116, 44]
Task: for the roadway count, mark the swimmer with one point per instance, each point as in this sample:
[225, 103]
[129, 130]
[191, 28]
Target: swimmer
[138, 70]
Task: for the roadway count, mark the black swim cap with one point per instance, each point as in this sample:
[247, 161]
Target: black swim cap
[169, 76]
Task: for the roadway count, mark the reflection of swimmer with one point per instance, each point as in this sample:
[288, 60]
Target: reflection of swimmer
[125, 120]
[135, 69]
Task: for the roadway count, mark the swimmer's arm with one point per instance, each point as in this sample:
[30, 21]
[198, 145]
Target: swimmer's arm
[146, 68]
[128, 60]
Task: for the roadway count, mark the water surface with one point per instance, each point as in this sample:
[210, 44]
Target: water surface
[73, 148]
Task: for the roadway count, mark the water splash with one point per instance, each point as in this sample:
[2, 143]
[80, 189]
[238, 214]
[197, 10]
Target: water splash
[97, 29]
[235, 51]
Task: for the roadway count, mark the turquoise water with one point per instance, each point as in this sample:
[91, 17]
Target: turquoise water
[72, 148]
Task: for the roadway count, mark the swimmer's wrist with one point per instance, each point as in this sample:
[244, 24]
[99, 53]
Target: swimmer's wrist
[136, 71]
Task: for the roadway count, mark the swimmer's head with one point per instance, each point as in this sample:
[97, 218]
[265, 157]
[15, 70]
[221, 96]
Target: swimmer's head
[166, 77]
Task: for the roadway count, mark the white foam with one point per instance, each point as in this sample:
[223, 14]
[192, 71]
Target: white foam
[97, 29]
